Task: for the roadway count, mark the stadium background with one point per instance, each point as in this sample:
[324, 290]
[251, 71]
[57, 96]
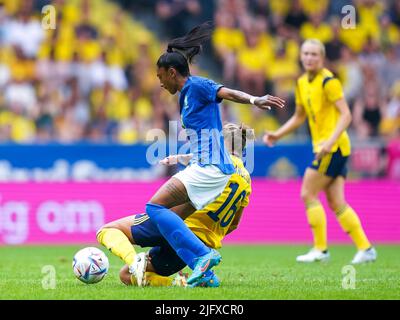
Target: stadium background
[76, 103]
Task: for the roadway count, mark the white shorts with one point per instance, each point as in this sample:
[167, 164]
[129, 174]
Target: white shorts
[203, 184]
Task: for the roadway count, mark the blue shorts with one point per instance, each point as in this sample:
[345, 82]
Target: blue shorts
[162, 256]
[332, 164]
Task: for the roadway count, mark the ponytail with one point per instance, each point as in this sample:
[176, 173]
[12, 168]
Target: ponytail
[181, 51]
[190, 45]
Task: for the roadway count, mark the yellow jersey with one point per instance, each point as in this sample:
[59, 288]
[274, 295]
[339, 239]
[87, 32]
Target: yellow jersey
[318, 98]
[212, 223]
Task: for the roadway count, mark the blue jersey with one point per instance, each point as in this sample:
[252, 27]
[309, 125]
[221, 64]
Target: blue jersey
[202, 120]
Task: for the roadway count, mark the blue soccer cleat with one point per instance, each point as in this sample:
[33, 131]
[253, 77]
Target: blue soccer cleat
[203, 264]
[208, 280]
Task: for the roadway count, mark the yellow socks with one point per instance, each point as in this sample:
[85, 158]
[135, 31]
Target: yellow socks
[348, 220]
[154, 280]
[351, 224]
[317, 220]
[118, 243]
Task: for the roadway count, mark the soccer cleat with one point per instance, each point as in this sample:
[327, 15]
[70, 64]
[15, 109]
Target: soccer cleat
[138, 268]
[203, 264]
[314, 255]
[208, 280]
[180, 280]
[363, 256]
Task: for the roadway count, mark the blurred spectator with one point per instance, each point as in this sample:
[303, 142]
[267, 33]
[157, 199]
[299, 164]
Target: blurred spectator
[350, 71]
[316, 28]
[394, 12]
[295, 17]
[20, 96]
[368, 111]
[253, 58]
[372, 55]
[3, 24]
[4, 75]
[334, 46]
[389, 72]
[368, 13]
[279, 10]
[227, 39]
[24, 31]
[389, 32]
[313, 7]
[390, 125]
[52, 73]
[259, 7]
[283, 68]
[177, 15]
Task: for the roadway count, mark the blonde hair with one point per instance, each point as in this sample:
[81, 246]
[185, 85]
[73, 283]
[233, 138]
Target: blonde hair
[316, 42]
[236, 137]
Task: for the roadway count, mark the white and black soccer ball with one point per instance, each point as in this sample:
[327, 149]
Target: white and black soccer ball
[90, 265]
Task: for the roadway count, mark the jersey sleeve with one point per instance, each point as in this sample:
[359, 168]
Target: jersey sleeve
[297, 96]
[333, 89]
[207, 91]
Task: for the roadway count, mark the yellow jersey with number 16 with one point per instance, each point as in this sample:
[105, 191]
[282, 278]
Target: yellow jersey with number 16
[212, 223]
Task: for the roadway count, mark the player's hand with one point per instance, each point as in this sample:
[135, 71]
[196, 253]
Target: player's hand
[169, 161]
[174, 159]
[270, 138]
[268, 101]
[184, 159]
[325, 148]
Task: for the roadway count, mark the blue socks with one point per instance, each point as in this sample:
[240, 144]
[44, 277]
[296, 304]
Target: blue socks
[179, 236]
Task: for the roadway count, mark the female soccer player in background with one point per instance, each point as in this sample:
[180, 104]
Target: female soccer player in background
[210, 224]
[319, 97]
[211, 167]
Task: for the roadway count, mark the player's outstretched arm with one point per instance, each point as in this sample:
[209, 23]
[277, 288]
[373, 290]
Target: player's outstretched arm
[183, 159]
[295, 121]
[264, 102]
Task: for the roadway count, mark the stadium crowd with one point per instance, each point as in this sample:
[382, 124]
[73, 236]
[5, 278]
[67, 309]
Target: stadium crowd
[93, 76]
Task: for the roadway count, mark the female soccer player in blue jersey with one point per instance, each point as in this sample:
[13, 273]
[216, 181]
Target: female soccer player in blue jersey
[210, 168]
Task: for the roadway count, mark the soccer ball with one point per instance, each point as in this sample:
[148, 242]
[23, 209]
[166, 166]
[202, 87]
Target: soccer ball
[90, 265]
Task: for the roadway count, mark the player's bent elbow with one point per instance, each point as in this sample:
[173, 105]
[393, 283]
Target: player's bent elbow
[300, 118]
[349, 118]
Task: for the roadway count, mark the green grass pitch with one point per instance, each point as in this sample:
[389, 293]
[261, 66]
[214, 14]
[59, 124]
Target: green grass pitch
[246, 273]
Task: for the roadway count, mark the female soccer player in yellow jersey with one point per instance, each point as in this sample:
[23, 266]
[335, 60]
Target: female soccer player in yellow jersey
[209, 224]
[319, 98]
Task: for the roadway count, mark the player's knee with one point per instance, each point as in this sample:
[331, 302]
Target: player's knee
[335, 204]
[100, 232]
[152, 209]
[110, 225]
[307, 196]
